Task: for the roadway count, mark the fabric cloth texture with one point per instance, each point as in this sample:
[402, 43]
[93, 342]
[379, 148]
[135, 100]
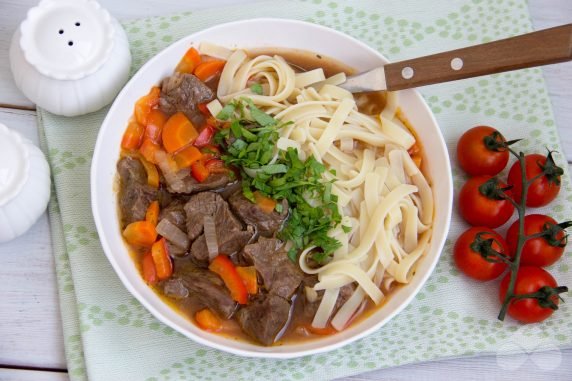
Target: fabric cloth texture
[110, 336]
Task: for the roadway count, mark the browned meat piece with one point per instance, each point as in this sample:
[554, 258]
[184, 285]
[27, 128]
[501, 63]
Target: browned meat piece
[266, 223]
[265, 317]
[204, 286]
[211, 204]
[310, 308]
[280, 275]
[175, 212]
[183, 92]
[229, 242]
[231, 236]
[135, 194]
[190, 185]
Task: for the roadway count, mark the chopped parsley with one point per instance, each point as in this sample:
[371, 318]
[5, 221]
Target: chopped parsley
[250, 145]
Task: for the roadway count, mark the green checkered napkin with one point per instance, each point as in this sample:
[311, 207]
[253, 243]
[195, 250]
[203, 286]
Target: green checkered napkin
[110, 336]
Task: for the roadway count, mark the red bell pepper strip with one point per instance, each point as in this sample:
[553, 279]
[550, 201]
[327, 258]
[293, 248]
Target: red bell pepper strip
[224, 267]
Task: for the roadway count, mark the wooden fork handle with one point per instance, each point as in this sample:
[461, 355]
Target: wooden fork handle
[544, 47]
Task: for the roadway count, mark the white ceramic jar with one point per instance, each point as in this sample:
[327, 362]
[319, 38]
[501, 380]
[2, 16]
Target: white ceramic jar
[70, 57]
[24, 184]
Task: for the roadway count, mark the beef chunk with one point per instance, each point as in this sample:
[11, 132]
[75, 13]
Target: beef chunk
[280, 275]
[135, 194]
[189, 185]
[266, 223]
[229, 242]
[204, 286]
[310, 308]
[264, 318]
[231, 236]
[183, 92]
[175, 212]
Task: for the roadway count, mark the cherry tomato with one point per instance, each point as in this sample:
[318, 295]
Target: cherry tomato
[471, 248]
[541, 251]
[530, 279]
[481, 202]
[480, 151]
[542, 190]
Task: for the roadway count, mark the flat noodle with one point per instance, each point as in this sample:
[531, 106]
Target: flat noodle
[383, 197]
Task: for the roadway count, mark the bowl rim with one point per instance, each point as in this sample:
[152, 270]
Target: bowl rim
[240, 351]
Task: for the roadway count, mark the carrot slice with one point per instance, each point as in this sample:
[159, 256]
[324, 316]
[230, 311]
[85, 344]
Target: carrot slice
[266, 204]
[187, 156]
[152, 214]
[155, 122]
[249, 278]
[161, 259]
[224, 267]
[189, 62]
[133, 136]
[178, 132]
[208, 69]
[148, 269]
[145, 104]
[208, 321]
[148, 150]
[140, 233]
[327, 330]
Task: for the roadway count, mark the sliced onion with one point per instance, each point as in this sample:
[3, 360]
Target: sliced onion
[210, 236]
[173, 234]
[173, 177]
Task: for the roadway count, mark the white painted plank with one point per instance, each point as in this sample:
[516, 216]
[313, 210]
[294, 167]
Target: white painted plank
[31, 375]
[30, 331]
[546, 14]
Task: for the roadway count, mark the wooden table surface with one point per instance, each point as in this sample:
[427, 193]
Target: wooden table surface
[31, 346]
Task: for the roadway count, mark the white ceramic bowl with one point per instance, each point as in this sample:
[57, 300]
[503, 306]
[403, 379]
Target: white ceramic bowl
[254, 34]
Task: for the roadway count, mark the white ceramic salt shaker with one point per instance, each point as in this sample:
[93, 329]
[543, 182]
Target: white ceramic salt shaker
[70, 57]
[24, 184]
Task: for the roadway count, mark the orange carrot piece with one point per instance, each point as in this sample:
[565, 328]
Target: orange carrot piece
[208, 69]
[161, 259]
[152, 214]
[148, 150]
[148, 269]
[327, 330]
[208, 321]
[187, 156]
[189, 62]
[249, 278]
[224, 267]
[155, 122]
[178, 132]
[145, 104]
[266, 204]
[133, 136]
[140, 233]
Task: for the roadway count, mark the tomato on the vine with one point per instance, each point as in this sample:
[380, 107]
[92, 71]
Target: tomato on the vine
[542, 289]
[547, 184]
[481, 151]
[482, 202]
[476, 253]
[539, 251]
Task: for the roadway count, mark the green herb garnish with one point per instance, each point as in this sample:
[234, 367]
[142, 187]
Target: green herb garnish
[256, 88]
[250, 145]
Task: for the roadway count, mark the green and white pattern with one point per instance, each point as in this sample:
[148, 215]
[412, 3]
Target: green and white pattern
[110, 336]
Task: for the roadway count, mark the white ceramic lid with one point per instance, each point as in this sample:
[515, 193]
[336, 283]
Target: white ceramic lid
[14, 164]
[67, 39]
